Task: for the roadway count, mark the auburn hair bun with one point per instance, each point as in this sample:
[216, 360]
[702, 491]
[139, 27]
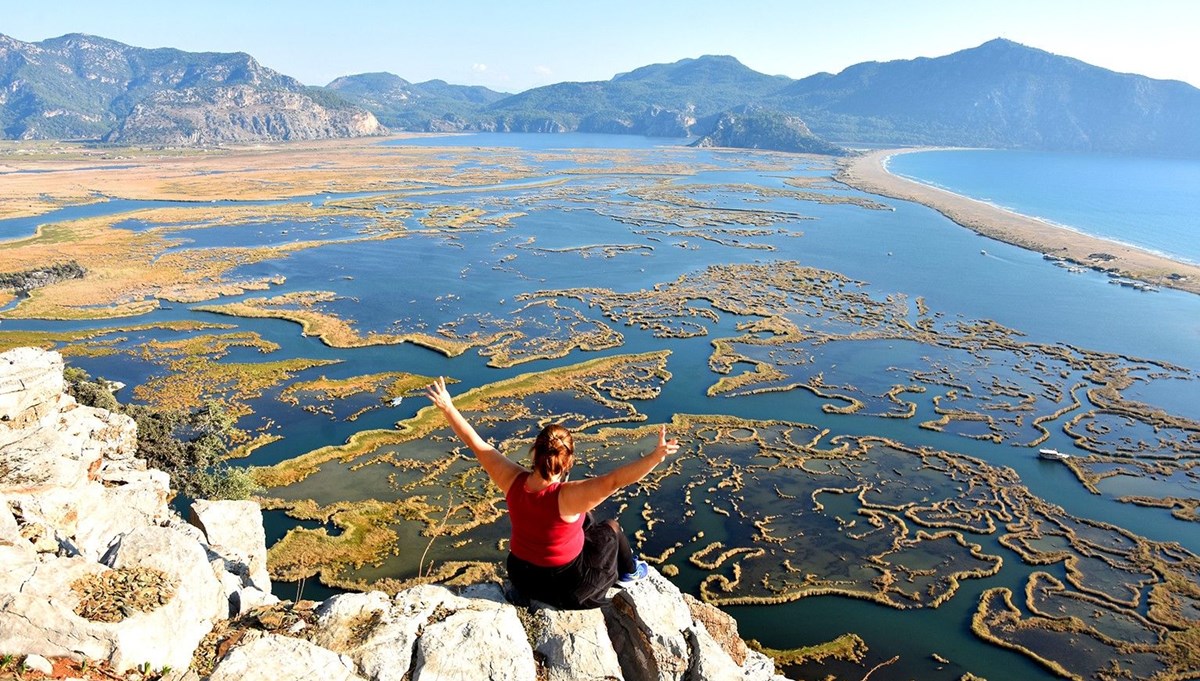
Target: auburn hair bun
[553, 451]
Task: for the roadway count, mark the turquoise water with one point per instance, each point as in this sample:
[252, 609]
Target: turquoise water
[908, 251]
[1153, 203]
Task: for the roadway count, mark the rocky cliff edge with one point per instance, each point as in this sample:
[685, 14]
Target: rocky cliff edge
[95, 566]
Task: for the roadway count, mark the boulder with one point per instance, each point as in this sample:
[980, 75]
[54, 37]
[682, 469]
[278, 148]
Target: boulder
[646, 622]
[281, 658]
[234, 531]
[126, 500]
[197, 603]
[101, 435]
[660, 633]
[759, 666]
[720, 625]
[574, 644]
[340, 619]
[37, 611]
[708, 661]
[31, 382]
[38, 663]
[174, 553]
[494, 637]
[715, 640]
[379, 633]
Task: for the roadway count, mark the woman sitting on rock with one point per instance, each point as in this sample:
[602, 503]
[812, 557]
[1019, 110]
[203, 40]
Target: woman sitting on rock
[556, 555]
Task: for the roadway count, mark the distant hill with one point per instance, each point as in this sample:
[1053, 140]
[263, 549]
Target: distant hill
[668, 100]
[432, 106]
[758, 128]
[85, 87]
[1000, 94]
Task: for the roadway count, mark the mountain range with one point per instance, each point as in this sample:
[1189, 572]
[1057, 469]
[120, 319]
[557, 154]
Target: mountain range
[1000, 94]
[84, 87]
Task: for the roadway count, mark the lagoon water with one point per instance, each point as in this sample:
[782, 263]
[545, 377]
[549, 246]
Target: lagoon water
[1153, 203]
[908, 250]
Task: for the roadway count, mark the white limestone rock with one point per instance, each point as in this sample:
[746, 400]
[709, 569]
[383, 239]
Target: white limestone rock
[174, 553]
[38, 663]
[759, 666]
[282, 658]
[31, 381]
[487, 591]
[708, 661]
[574, 644]
[186, 618]
[69, 450]
[340, 619]
[449, 636]
[378, 633]
[494, 637]
[647, 622]
[234, 531]
[127, 500]
[37, 611]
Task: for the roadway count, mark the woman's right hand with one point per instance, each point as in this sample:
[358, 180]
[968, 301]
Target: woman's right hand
[665, 447]
[437, 393]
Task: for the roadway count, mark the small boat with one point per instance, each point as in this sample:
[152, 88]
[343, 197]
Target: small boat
[1053, 454]
[395, 402]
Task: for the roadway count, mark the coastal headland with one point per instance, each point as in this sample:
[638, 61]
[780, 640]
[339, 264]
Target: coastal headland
[868, 172]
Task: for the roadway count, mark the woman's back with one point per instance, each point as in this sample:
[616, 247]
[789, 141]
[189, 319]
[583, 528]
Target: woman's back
[539, 534]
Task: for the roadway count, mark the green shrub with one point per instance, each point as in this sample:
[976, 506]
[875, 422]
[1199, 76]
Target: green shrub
[191, 447]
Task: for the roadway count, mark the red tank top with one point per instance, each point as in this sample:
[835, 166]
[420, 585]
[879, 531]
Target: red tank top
[539, 535]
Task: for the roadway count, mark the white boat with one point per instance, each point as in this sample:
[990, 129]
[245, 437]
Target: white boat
[1053, 454]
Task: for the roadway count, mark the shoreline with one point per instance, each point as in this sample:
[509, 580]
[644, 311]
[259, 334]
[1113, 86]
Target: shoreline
[869, 173]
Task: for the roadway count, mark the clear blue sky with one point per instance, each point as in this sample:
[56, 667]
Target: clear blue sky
[518, 44]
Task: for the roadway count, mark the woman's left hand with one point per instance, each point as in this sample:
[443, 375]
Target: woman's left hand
[437, 393]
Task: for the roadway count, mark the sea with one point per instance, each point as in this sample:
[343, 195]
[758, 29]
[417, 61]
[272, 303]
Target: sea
[1150, 203]
[905, 249]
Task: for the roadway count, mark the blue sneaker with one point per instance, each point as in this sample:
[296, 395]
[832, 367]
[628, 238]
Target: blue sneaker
[640, 570]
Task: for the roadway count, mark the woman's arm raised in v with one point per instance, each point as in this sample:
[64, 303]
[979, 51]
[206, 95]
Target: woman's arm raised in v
[584, 495]
[499, 468]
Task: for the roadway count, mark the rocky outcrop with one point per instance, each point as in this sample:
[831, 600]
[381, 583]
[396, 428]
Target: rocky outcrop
[647, 632]
[95, 566]
[238, 114]
[272, 657]
[757, 128]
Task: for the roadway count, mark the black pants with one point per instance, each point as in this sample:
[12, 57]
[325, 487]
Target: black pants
[583, 582]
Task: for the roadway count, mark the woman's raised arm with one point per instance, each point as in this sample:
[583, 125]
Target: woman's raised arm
[584, 495]
[499, 468]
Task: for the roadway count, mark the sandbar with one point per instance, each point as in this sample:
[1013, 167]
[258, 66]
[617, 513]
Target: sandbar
[869, 173]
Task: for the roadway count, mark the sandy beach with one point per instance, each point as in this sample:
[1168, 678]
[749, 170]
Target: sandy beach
[868, 173]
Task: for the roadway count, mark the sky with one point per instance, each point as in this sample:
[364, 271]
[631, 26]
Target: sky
[514, 45]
